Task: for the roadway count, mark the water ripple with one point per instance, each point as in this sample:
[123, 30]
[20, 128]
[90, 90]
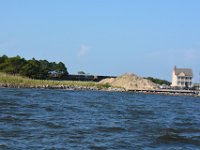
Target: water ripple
[59, 119]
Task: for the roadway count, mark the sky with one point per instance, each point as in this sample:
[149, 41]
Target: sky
[105, 37]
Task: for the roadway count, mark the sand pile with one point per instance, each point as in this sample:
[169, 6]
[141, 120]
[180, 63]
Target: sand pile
[130, 82]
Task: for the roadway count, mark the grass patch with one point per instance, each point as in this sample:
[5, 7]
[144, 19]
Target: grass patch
[103, 86]
[27, 82]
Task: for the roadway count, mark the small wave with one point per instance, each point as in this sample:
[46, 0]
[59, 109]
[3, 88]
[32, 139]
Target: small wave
[13, 133]
[94, 147]
[3, 146]
[175, 138]
[140, 113]
[9, 118]
[5, 104]
[53, 125]
[110, 129]
[75, 109]
[49, 109]
[23, 114]
[32, 106]
[22, 94]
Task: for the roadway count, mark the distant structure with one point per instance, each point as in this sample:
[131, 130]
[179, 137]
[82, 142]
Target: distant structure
[182, 77]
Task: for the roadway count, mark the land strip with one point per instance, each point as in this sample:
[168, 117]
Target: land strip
[10, 81]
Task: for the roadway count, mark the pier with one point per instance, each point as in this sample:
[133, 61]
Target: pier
[169, 92]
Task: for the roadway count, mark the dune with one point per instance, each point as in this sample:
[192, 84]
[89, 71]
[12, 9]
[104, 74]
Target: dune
[130, 81]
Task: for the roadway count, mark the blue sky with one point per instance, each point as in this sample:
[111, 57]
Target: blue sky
[106, 37]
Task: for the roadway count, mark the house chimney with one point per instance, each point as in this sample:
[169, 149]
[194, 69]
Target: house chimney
[175, 67]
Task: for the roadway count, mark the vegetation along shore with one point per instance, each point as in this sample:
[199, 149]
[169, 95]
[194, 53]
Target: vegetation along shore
[17, 72]
[11, 81]
[16, 81]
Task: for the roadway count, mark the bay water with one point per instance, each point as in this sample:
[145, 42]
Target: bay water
[61, 119]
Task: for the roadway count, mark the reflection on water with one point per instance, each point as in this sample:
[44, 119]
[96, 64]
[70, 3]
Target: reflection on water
[59, 119]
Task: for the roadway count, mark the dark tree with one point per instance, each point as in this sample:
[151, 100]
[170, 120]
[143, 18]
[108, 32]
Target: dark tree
[3, 59]
[13, 65]
[37, 69]
[81, 73]
[31, 69]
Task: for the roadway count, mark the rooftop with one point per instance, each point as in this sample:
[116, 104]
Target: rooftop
[186, 71]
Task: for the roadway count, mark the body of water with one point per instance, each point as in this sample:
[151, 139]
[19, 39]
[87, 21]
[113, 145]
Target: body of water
[60, 119]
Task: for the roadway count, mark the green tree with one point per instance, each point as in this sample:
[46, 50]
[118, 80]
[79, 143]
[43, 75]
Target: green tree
[81, 73]
[61, 69]
[44, 69]
[3, 59]
[13, 65]
[31, 69]
[58, 70]
[38, 69]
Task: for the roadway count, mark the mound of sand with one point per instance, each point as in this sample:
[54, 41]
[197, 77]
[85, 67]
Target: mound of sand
[130, 82]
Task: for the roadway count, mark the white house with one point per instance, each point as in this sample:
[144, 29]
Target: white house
[182, 77]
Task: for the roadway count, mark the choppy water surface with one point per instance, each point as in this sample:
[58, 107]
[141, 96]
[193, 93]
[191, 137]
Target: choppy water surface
[59, 119]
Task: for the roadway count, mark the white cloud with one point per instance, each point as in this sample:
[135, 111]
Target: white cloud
[83, 51]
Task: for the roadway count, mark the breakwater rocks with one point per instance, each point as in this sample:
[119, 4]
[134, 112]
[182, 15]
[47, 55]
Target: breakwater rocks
[45, 86]
[111, 89]
[93, 88]
[169, 92]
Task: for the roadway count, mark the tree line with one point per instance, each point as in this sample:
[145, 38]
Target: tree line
[36, 69]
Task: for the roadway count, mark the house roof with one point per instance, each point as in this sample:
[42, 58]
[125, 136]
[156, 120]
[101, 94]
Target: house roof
[186, 71]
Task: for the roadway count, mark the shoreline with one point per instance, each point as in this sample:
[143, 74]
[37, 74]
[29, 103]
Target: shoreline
[10, 81]
[91, 88]
[110, 89]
